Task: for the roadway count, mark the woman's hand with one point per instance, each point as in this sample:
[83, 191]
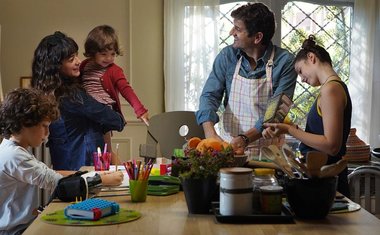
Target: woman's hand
[115, 159]
[274, 130]
[112, 178]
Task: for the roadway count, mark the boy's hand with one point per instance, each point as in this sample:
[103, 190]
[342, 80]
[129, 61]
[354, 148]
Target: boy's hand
[112, 178]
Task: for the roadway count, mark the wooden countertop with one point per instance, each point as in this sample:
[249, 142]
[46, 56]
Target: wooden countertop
[169, 215]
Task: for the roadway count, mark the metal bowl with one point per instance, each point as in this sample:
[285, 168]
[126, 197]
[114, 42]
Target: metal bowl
[376, 152]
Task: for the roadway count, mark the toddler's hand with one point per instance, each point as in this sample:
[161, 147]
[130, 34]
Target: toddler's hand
[145, 118]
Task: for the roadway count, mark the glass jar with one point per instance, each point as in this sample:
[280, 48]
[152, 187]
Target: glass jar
[271, 199]
[261, 177]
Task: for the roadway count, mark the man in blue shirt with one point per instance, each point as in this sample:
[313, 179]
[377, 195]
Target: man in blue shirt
[244, 76]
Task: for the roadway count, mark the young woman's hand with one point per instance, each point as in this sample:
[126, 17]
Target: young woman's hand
[274, 130]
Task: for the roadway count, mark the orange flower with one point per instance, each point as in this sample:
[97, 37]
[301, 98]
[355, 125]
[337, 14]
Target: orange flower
[205, 160]
[211, 144]
[193, 142]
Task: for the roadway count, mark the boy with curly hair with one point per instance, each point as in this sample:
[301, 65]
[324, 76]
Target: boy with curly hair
[25, 116]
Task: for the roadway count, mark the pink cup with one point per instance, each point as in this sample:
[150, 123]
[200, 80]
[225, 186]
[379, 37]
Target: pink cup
[101, 162]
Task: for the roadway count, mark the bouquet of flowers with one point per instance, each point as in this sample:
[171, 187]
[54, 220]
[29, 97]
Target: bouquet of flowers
[204, 158]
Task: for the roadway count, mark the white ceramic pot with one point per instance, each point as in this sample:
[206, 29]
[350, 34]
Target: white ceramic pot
[235, 191]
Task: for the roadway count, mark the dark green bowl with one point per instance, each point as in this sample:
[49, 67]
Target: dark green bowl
[311, 198]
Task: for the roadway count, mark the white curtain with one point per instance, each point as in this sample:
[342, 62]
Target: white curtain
[191, 44]
[364, 82]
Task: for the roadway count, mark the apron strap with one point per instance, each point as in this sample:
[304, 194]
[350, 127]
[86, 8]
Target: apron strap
[237, 68]
[269, 68]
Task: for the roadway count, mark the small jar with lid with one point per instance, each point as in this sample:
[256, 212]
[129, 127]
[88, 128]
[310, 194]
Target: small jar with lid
[261, 177]
[271, 199]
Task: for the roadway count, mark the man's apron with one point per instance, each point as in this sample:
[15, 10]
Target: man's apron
[247, 102]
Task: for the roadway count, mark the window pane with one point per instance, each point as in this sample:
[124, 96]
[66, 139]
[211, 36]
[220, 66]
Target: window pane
[332, 27]
[226, 23]
[330, 24]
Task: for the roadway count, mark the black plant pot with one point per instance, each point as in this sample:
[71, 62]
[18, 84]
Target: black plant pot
[311, 198]
[199, 193]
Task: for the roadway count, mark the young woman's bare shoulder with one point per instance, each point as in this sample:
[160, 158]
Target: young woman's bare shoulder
[333, 90]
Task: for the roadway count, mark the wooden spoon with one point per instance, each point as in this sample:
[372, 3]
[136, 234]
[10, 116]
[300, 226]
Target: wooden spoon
[314, 161]
[288, 152]
[333, 169]
[281, 159]
[298, 166]
[274, 154]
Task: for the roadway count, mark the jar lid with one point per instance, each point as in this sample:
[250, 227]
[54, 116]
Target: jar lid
[236, 170]
[264, 171]
[271, 188]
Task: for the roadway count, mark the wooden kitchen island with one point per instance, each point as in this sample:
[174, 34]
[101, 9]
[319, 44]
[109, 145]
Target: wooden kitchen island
[169, 215]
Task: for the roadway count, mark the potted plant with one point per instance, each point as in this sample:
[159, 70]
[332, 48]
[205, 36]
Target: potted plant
[199, 170]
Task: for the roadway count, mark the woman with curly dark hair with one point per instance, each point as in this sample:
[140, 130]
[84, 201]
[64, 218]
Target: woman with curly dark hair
[77, 134]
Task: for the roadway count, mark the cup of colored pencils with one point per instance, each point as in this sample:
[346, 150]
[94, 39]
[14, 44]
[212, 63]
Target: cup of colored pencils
[138, 173]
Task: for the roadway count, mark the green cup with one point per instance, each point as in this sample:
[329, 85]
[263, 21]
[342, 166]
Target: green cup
[138, 189]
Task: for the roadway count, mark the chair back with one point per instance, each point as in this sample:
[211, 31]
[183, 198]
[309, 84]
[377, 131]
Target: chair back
[171, 130]
[364, 184]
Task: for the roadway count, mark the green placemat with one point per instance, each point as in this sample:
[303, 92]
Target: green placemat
[58, 217]
[162, 190]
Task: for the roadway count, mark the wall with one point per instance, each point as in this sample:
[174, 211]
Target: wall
[139, 24]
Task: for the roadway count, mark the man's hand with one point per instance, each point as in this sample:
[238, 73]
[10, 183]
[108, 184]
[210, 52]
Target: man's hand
[209, 130]
[238, 145]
